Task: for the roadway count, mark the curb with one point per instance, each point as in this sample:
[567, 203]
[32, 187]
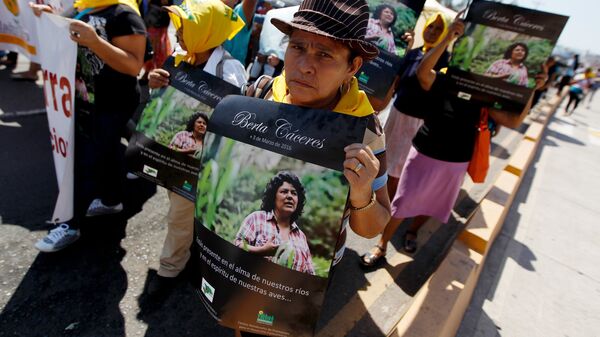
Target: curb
[438, 308]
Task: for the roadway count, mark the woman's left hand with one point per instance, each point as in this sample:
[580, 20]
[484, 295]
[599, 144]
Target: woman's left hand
[360, 168]
[83, 34]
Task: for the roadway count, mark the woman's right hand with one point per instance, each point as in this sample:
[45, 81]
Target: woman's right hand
[457, 27]
[39, 9]
[158, 78]
[268, 249]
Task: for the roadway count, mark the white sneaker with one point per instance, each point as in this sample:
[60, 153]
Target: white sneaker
[98, 208]
[57, 239]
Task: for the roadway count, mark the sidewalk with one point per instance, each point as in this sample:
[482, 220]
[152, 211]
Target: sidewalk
[541, 276]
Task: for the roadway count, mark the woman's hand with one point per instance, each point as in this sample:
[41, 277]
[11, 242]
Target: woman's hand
[84, 34]
[457, 27]
[39, 9]
[360, 168]
[158, 78]
[268, 249]
[409, 38]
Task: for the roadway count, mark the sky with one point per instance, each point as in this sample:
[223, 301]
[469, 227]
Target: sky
[582, 31]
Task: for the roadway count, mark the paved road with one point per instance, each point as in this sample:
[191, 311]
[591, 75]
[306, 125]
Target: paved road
[542, 277]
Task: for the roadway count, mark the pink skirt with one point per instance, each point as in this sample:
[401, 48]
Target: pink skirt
[400, 129]
[427, 187]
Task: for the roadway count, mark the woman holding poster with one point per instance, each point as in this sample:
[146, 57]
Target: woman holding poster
[201, 29]
[441, 151]
[511, 67]
[111, 43]
[321, 60]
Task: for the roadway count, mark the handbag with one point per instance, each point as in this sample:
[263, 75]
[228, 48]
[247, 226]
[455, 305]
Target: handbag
[480, 162]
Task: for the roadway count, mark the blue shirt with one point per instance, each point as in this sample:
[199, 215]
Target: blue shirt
[238, 46]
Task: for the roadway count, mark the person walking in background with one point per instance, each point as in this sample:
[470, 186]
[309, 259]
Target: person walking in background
[569, 73]
[111, 39]
[202, 27]
[595, 84]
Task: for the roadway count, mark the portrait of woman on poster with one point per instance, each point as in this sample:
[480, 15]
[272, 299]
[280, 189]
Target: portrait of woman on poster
[273, 232]
[380, 28]
[511, 67]
[191, 140]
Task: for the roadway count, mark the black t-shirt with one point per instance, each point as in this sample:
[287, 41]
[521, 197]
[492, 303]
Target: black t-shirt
[408, 85]
[100, 88]
[450, 125]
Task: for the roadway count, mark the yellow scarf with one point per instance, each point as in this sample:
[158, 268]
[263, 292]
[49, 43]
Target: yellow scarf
[354, 102]
[80, 5]
[206, 25]
[430, 21]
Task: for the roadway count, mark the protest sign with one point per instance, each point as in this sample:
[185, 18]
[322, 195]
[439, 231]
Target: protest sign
[58, 56]
[270, 212]
[501, 52]
[167, 144]
[388, 22]
[18, 26]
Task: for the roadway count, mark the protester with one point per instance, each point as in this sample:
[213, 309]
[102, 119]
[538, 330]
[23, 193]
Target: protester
[274, 228]
[380, 30]
[238, 46]
[593, 87]
[437, 162]
[569, 73]
[401, 127]
[157, 23]
[551, 64]
[511, 67]
[321, 60]
[111, 41]
[202, 27]
[577, 91]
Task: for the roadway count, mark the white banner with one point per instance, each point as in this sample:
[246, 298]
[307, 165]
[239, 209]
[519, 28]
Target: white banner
[18, 28]
[58, 56]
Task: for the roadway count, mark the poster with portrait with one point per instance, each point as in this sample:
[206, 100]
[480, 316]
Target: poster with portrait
[501, 52]
[270, 206]
[169, 138]
[388, 22]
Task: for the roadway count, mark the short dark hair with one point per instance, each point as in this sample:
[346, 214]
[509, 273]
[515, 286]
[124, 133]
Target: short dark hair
[268, 199]
[380, 8]
[190, 123]
[509, 50]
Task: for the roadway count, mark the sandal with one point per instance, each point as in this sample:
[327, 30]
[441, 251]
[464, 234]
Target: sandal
[410, 245]
[370, 259]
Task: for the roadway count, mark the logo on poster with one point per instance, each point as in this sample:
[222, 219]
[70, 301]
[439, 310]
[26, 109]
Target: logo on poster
[208, 290]
[151, 171]
[263, 318]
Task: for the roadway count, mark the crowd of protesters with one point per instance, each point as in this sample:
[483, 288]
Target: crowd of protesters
[415, 173]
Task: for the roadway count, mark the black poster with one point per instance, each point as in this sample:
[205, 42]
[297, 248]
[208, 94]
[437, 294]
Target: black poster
[269, 210]
[168, 142]
[388, 22]
[501, 52]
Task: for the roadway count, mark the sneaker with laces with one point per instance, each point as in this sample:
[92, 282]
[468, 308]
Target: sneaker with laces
[98, 208]
[57, 239]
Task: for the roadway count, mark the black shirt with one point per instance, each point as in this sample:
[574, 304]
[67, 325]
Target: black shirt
[450, 125]
[100, 88]
[408, 86]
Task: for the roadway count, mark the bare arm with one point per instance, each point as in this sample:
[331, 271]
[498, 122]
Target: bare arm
[124, 54]
[361, 168]
[425, 73]
[249, 7]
